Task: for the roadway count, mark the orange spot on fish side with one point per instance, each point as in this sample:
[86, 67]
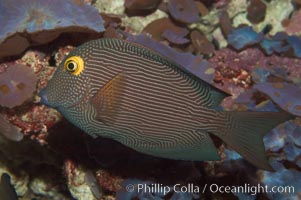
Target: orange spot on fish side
[278, 85]
[4, 89]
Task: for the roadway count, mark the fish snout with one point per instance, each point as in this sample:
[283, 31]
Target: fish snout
[43, 96]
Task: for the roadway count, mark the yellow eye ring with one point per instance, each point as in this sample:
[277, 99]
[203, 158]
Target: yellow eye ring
[74, 65]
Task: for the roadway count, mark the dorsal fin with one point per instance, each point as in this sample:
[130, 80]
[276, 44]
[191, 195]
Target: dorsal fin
[165, 55]
[217, 97]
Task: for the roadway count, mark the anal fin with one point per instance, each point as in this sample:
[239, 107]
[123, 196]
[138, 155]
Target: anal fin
[201, 149]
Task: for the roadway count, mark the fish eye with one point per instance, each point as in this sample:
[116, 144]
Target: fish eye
[74, 65]
[71, 66]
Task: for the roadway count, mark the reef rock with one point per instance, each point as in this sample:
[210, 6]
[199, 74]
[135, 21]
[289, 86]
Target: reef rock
[37, 22]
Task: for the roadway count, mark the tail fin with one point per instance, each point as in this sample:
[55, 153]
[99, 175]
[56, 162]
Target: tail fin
[244, 132]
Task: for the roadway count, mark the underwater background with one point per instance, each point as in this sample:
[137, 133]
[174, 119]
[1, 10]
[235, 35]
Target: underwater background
[250, 49]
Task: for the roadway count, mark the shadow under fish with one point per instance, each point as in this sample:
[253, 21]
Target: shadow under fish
[132, 94]
[7, 191]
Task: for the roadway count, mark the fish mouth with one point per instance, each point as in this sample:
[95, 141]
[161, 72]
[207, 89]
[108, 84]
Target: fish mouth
[44, 100]
[43, 96]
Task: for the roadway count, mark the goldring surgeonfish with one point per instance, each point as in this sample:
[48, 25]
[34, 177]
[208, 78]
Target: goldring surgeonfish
[132, 94]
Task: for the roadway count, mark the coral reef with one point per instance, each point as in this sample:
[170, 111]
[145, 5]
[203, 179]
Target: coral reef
[135, 6]
[250, 49]
[183, 11]
[242, 37]
[280, 43]
[256, 11]
[19, 182]
[39, 22]
[285, 95]
[201, 44]
[136, 24]
[17, 84]
[292, 26]
[282, 177]
[276, 12]
[165, 28]
[22, 167]
[110, 7]
[9, 130]
[81, 182]
[42, 187]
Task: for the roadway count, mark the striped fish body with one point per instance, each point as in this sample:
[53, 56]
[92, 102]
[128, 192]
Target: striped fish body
[134, 95]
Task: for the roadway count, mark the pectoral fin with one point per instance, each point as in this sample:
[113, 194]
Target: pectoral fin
[107, 100]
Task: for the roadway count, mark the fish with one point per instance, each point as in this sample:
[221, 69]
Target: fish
[7, 191]
[126, 92]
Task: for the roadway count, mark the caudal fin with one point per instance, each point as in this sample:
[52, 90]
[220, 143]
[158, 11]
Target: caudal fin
[244, 131]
